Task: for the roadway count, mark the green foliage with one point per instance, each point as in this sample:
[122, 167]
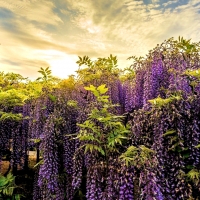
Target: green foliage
[32, 89]
[52, 98]
[103, 70]
[15, 83]
[137, 62]
[72, 103]
[174, 141]
[194, 73]
[111, 62]
[176, 144]
[193, 76]
[194, 176]
[10, 116]
[102, 131]
[169, 132]
[46, 74]
[130, 156]
[128, 74]
[182, 48]
[198, 146]
[186, 46]
[7, 186]
[98, 93]
[36, 140]
[68, 84]
[11, 80]
[84, 61]
[11, 98]
[137, 156]
[159, 102]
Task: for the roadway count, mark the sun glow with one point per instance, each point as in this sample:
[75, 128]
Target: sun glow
[61, 64]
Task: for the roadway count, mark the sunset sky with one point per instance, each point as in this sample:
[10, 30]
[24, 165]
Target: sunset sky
[41, 33]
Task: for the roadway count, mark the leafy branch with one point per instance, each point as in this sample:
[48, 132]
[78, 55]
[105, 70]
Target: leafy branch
[7, 186]
[102, 131]
[137, 156]
[159, 102]
[46, 74]
[10, 116]
[194, 176]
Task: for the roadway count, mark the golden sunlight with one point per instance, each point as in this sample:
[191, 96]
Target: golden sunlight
[61, 64]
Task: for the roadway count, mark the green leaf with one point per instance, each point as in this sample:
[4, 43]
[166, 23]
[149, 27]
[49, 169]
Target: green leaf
[87, 148]
[52, 98]
[102, 89]
[186, 155]
[159, 102]
[198, 146]
[35, 140]
[39, 163]
[194, 73]
[10, 190]
[17, 197]
[10, 177]
[91, 88]
[72, 103]
[3, 181]
[86, 137]
[102, 151]
[193, 175]
[189, 167]
[169, 132]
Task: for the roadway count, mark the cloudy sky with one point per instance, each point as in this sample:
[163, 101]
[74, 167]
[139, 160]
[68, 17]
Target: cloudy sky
[41, 33]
